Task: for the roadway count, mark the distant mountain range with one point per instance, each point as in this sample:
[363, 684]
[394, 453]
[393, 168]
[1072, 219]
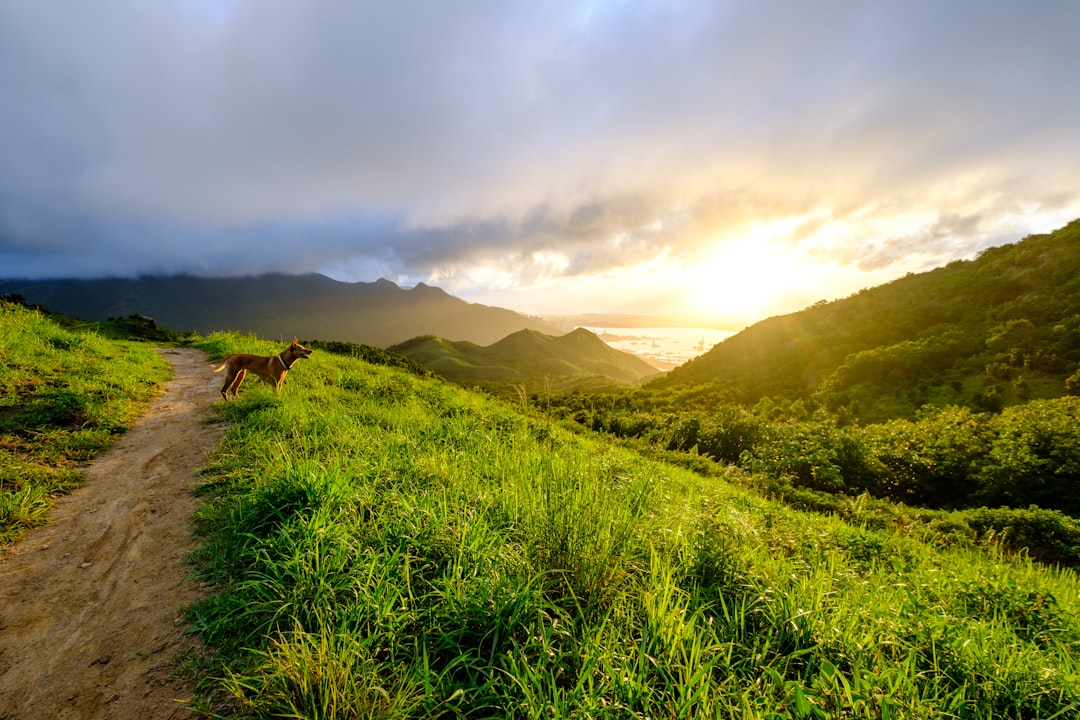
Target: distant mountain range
[531, 360]
[279, 306]
[985, 333]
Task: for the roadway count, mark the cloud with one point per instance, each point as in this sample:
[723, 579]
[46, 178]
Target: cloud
[564, 139]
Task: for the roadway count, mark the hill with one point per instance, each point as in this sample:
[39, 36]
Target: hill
[280, 306]
[987, 333]
[377, 543]
[577, 360]
[380, 544]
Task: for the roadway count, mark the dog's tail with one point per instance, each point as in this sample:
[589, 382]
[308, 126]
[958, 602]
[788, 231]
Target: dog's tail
[219, 366]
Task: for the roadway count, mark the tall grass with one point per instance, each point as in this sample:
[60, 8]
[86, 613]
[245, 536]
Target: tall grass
[385, 546]
[65, 394]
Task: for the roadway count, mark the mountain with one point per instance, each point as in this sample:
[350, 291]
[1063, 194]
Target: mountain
[281, 306]
[986, 333]
[577, 360]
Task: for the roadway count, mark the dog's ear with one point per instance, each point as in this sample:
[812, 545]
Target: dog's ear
[295, 342]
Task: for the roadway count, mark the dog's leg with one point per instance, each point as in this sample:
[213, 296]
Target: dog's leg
[235, 386]
[229, 378]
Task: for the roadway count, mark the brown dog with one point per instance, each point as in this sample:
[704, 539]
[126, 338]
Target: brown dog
[272, 368]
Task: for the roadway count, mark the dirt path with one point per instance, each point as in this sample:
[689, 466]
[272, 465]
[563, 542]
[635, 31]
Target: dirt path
[90, 623]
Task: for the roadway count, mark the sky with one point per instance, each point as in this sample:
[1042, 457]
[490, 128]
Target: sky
[730, 159]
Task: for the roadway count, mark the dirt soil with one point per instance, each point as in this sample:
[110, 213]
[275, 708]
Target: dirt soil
[91, 622]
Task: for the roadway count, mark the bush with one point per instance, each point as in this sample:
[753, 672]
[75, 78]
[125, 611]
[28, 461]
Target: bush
[1048, 536]
[815, 455]
[728, 432]
[1034, 458]
[932, 461]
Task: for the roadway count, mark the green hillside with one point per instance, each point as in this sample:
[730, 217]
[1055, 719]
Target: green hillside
[988, 333]
[384, 545]
[530, 360]
[66, 393]
[377, 543]
[952, 389]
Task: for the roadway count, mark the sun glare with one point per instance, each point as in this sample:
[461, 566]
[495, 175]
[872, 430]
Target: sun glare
[748, 278]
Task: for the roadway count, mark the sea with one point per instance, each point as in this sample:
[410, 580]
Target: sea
[662, 347]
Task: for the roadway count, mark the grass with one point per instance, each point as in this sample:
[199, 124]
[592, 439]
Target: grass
[381, 545]
[384, 545]
[65, 395]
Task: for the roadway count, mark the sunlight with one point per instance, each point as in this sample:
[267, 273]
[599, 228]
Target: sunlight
[749, 277]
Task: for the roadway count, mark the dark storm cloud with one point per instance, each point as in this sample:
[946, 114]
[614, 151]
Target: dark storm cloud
[230, 136]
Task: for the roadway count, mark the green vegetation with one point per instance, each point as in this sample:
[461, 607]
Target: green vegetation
[866, 510]
[65, 394]
[1024, 459]
[379, 544]
[949, 390]
[369, 354]
[986, 334]
[529, 362]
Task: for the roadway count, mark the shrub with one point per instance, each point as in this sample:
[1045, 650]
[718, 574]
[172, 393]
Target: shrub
[815, 455]
[931, 461]
[1048, 536]
[1034, 457]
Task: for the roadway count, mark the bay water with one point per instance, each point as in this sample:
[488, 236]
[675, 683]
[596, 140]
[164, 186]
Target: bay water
[662, 347]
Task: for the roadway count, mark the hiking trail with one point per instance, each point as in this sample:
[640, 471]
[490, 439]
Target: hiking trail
[91, 622]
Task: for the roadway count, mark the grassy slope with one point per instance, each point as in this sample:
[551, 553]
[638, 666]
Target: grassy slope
[382, 545]
[65, 394]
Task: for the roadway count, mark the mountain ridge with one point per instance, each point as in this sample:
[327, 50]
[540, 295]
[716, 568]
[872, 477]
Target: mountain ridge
[277, 305]
[576, 360]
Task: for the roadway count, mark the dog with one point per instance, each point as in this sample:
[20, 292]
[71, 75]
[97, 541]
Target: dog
[272, 368]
